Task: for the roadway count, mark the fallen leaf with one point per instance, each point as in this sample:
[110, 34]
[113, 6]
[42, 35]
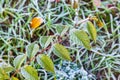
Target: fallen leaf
[99, 23]
[36, 22]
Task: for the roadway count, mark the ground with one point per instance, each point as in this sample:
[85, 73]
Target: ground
[94, 56]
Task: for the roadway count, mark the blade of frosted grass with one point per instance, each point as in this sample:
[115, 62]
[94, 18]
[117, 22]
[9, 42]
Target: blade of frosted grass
[67, 6]
[106, 29]
[83, 14]
[22, 3]
[36, 7]
[45, 73]
[99, 64]
[60, 16]
[111, 21]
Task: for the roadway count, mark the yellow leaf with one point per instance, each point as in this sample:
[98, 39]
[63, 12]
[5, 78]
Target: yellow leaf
[46, 62]
[100, 23]
[14, 78]
[92, 30]
[61, 51]
[74, 4]
[36, 22]
[93, 18]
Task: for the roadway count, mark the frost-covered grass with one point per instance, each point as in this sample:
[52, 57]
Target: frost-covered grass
[100, 63]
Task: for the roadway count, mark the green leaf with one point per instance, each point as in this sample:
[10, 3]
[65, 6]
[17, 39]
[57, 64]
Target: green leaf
[29, 73]
[81, 36]
[61, 51]
[32, 50]
[92, 30]
[6, 67]
[3, 74]
[46, 62]
[62, 29]
[14, 78]
[19, 60]
[45, 41]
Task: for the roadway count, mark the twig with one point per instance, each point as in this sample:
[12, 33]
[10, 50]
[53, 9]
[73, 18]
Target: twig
[82, 21]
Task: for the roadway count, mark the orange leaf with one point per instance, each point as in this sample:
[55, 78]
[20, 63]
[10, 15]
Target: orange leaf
[36, 22]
